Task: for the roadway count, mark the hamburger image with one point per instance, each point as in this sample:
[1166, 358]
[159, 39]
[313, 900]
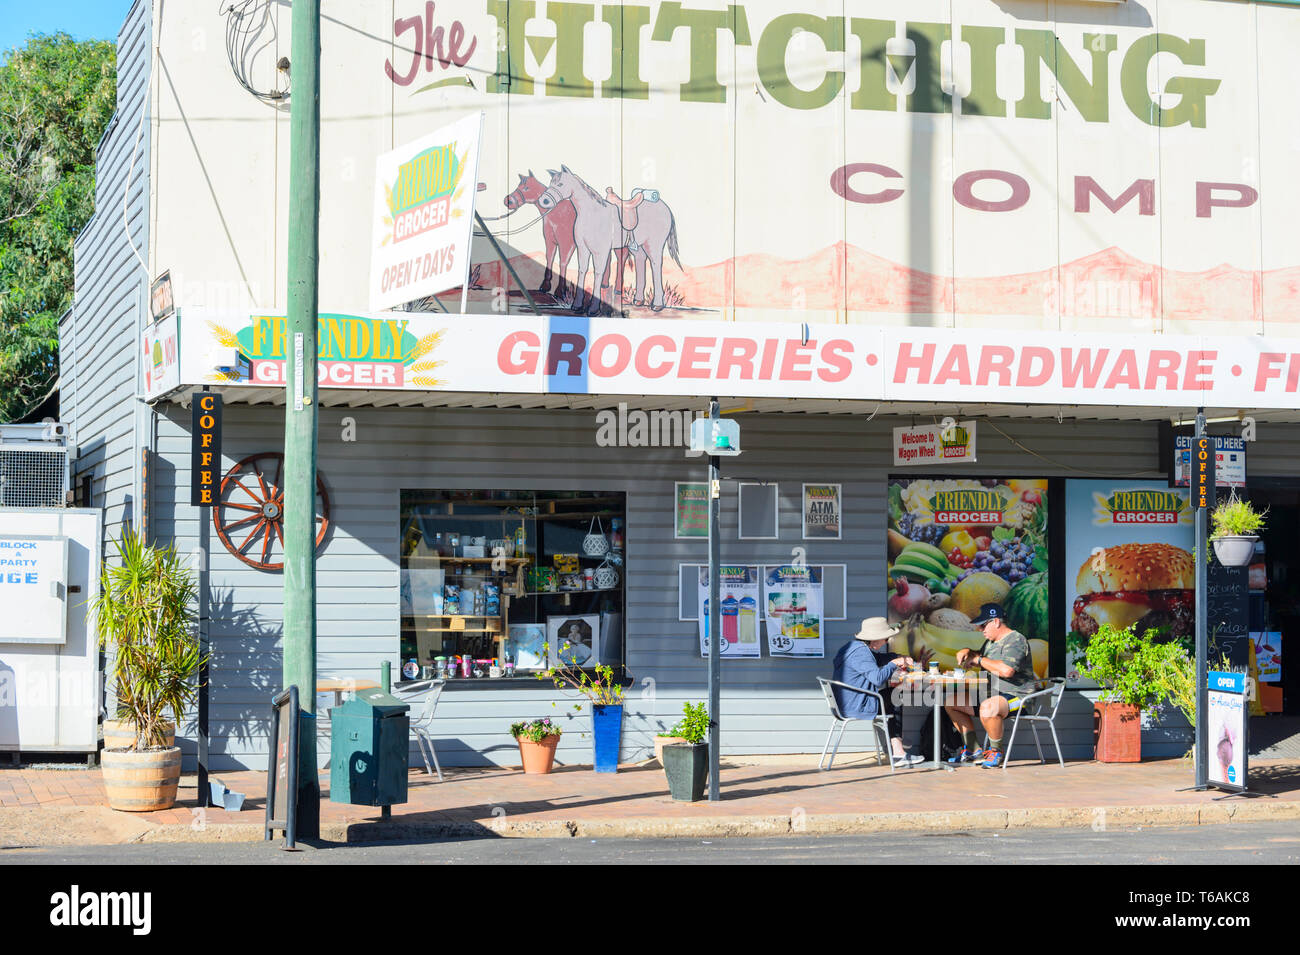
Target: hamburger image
[1151, 585]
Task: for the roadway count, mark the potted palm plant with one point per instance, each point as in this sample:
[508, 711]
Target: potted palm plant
[1236, 529]
[1133, 672]
[686, 764]
[144, 614]
[606, 697]
[537, 740]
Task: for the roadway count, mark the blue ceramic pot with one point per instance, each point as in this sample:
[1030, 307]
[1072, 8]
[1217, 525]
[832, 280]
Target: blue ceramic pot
[607, 734]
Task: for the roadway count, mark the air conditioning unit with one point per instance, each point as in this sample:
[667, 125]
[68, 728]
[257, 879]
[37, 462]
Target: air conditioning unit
[36, 464]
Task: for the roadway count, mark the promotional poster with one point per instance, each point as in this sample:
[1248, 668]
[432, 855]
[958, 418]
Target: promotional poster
[1128, 560]
[793, 597]
[738, 596]
[1227, 729]
[957, 544]
[821, 512]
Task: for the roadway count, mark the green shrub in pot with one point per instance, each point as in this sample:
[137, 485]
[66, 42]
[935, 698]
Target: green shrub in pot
[686, 764]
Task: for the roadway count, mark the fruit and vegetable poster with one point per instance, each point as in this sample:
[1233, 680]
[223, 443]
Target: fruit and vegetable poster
[738, 597]
[793, 597]
[821, 512]
[957, 544]
[1128, 560]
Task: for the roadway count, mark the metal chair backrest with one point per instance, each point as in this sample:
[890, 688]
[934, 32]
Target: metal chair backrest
[829, 692]
[427, 705]
[1058, 692]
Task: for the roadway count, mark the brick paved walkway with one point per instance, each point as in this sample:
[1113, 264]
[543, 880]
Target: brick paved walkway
[755, 789]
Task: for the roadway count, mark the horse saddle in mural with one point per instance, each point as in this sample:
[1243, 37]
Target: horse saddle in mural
[627, 210]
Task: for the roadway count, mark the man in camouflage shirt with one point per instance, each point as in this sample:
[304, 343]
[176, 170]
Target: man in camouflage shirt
[1006, 657]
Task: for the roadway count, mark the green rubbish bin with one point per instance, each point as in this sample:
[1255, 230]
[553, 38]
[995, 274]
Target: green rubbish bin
[369, 752]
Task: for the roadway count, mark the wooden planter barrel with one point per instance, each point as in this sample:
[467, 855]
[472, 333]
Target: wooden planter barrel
[141, 782]
[119, 734]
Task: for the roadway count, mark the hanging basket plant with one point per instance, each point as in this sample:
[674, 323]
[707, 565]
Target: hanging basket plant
[1236, 529]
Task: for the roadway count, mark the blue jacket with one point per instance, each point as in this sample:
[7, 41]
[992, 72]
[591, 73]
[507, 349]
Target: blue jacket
[856, 665]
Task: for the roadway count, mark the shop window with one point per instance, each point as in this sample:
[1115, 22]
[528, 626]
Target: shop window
[491, 579]
[758, 511]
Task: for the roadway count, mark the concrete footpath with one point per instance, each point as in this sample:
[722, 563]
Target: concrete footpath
[761, 796]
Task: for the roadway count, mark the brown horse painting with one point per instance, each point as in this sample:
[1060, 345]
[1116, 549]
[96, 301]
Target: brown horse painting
[557, 229]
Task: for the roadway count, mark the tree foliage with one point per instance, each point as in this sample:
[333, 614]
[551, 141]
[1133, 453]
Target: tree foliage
[56, 98]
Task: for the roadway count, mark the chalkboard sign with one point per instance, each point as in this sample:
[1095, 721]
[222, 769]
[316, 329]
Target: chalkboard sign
[1228, 613]
[282, 773]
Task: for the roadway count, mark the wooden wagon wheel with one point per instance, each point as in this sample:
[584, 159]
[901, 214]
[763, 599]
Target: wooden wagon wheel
[249, 515]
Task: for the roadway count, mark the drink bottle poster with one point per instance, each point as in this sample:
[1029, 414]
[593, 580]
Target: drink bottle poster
[1128, 562]
[738, 597]
[793, 598]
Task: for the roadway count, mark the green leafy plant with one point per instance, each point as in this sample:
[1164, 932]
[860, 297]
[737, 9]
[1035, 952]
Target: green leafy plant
[1236, 518]
[1132, 668]
[534, 731]
[143, 612]
[598, 685]
[693, 727]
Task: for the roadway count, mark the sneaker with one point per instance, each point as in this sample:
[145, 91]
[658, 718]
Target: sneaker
[964, 755]
[993, 758]
[910, 760]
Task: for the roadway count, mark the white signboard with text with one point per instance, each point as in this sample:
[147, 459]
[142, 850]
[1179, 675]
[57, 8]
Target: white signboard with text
[162, 363]
[33, 589]
[1229, 455]
[424, 215]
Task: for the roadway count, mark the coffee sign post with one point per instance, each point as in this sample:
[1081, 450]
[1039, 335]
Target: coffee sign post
[1203, 460]
[205, 481]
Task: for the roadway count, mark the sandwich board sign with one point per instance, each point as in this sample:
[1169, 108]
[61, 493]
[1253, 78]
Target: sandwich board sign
[1227, 728]
[423, 217]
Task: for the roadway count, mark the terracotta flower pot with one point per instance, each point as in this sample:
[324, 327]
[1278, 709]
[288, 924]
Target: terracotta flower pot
[141, 781]
[1119, 732]
[661, 742]
[119, 734]
[538, 758]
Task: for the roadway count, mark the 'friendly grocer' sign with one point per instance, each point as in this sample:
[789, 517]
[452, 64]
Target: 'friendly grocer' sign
[569, 355]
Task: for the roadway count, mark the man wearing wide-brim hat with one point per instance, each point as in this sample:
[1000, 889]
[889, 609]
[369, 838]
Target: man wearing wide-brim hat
[864, 662]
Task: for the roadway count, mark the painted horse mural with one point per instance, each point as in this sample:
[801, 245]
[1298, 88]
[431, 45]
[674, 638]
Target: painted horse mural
[557, 229]
[605, 230]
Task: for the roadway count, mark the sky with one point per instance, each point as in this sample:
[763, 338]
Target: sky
[84, 19]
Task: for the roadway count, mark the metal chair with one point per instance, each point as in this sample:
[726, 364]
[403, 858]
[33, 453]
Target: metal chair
[422, 725]
[879, 723]
[1039, 707]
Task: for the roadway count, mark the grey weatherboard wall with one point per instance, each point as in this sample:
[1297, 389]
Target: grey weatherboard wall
[98, 340]
[769, 706]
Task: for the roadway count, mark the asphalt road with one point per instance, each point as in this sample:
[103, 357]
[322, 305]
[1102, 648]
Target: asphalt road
[1253, 843]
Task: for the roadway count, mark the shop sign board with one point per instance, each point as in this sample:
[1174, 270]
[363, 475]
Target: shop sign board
[1060, 208]
[1229, 460]
[823, 512]
[793, 598]
[205, 448]
[162, 367]
[1128, 560]
[424, 214]
[1227, 729]
[978, 541]
[568, 355]
[952, 443]
[691, 509]
[33, 589]
[738, 595]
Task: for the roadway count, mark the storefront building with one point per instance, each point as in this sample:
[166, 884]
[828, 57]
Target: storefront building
[1061, 234]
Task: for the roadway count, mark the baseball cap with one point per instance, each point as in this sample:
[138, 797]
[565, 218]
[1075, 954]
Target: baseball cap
[989, 612]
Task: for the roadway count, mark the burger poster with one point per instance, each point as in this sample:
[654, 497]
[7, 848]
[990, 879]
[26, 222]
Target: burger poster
[956, 544]
[1128, 549]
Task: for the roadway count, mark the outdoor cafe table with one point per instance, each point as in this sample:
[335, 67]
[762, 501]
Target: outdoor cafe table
[945, 688]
